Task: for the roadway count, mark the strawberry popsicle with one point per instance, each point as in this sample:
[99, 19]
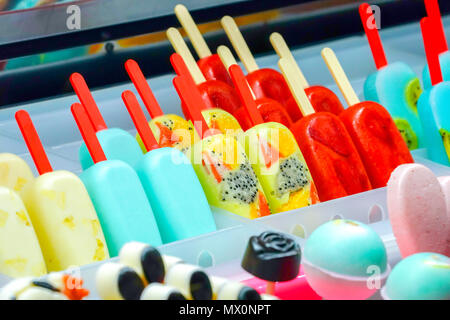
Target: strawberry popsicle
[322, 98]
[175, 194]
[15, 173]
[169, 130]
[210, 64]
[61, 211]
[333, 159]
[395, 86]
[110, 138]
[215, 93]
[270, 110]
[433, 104]
[221, 164]
[117, 194]
[275, 156]
[377, 139]
[265, 83]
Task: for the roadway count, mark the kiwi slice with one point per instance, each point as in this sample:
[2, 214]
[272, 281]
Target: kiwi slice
[445, 134]
[407, 133]
[412, 93]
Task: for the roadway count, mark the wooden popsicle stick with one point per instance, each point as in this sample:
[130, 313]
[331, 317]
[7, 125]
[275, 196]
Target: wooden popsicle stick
[431, 50]
[88, 133]
[239, 44]
[33, 142]
[298, 92]
[433, 11]
[197, 40]
[339, 76]
[182, 49]
[283, 51]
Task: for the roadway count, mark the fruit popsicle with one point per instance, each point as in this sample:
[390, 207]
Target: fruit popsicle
[215, 118]
[432, 106]
[265, 83]
[322, 98]
[270, 110]
[215, 93]
[21, 254]
[169, 130]
[116, 143]
[275, 156]
[210, 64]
[377, 139]
[117, 194]
[433, 11]
[221, 164]
[333, 159]
[61, 211]
[394, 85]
[15, 173]
[175, 194]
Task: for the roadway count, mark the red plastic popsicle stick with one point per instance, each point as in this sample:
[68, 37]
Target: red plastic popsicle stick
[179, 66]
[87, 100]
[433, 11]
[138, 79]
[33, 142]
[431, 50]
[373, 36]
[190, 96]
[245, 94]
[88, 133]
[139, 120]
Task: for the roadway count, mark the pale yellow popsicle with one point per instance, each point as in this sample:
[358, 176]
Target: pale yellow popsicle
[15, 173]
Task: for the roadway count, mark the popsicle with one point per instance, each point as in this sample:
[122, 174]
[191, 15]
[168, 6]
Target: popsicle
[60, 210]
[215, 93]
[216, 118]
[395, 86]
[176, 196]
[21, 254]
[221, 164]
[439, 39]
[116, 143]
[210, 64]
[321, 98]
[170, 130]
[275, 156]
[265, 83]
[270, 110]
[330, 153]
[15, 173]
[432, 105]
[117, 194]
[377, 139]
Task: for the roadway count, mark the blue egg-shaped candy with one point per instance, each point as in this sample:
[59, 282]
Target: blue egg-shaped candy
[422, 276]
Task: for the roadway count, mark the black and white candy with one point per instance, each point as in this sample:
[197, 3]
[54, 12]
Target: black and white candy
[158, 291]
[116, 281]
[31, 289]
[230, 290]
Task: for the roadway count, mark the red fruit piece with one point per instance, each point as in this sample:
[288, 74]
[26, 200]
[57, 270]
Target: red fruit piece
[264, 209]
[270, 154]
[166, 137]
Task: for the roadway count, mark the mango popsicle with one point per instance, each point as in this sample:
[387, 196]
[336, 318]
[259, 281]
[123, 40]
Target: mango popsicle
[270, 110]
[221, 164]
[117, 194]
[377, 139]
[322, 98]
[15, 173]
[215, 93]
[170, 130]
[20, 252]
[335, 164]
[175, 194]
[109, 138]
[432, 107]
[395, 86]
[61, 211]
[275, 156]
[210, 64]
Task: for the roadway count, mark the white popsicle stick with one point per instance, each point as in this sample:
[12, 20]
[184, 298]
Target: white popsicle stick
[197, 40]
[287, 69]
[182, 49]
[283, 51]
[239, 44]
[340, 77]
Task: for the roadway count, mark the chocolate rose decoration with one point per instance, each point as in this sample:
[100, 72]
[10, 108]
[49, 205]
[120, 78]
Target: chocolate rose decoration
[272, 256]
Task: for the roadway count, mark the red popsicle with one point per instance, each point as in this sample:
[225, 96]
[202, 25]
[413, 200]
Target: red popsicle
[372, 129]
